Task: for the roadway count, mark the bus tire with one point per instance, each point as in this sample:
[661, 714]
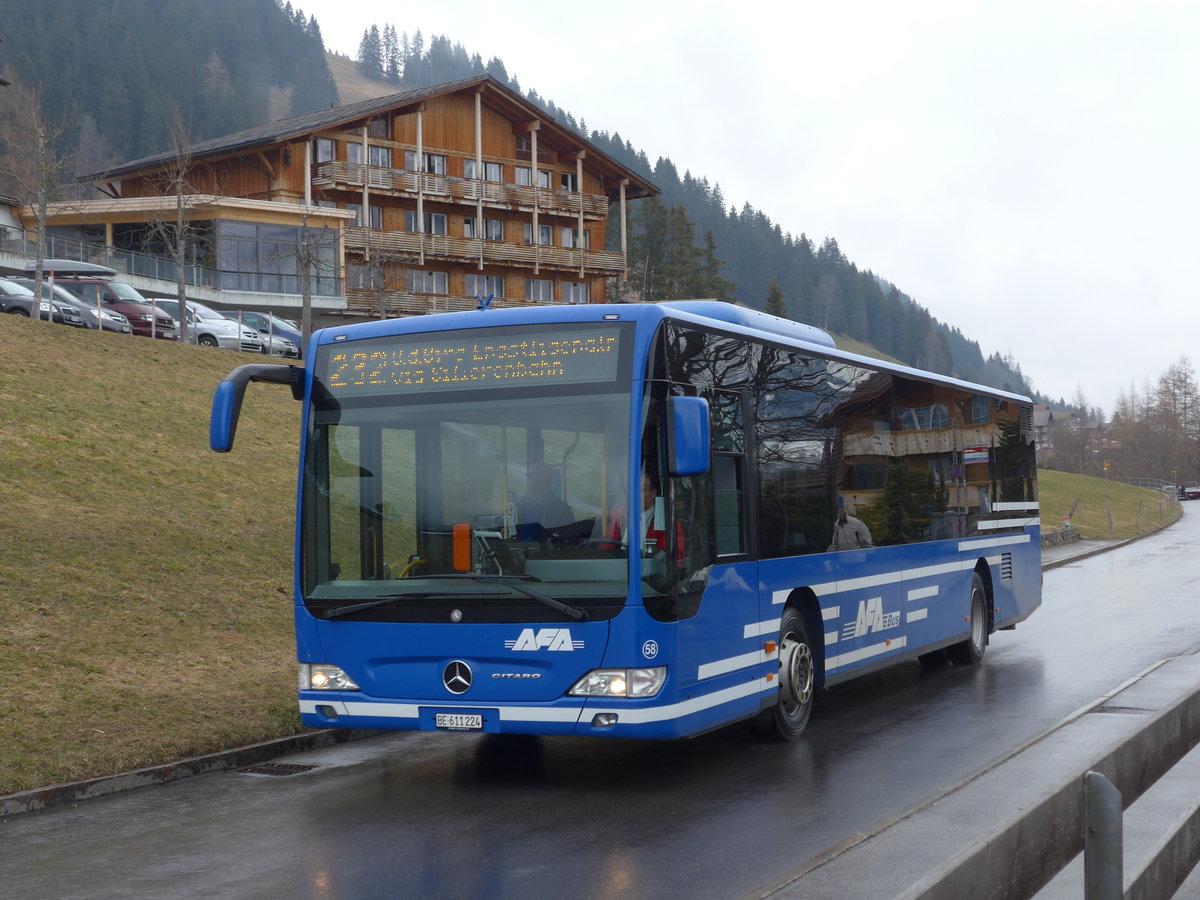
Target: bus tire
[970, 652]
[797, 676]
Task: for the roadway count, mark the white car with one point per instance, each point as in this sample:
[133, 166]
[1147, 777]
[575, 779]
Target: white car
[209, 328]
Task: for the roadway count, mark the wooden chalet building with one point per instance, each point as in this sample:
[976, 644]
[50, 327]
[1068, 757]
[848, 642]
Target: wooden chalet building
[410, 203]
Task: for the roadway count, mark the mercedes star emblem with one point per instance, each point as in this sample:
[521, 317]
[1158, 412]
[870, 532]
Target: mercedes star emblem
[457, 677]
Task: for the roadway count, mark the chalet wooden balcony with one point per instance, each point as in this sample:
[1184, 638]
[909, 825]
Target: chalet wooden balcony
[405, 246]
[448, 189]
[408, 303]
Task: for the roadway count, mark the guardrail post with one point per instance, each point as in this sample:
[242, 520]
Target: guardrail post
[1102, 844]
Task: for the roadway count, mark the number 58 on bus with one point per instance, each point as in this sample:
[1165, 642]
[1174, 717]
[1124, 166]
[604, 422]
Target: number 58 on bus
[641, 520]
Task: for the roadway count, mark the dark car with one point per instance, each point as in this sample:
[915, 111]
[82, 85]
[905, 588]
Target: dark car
[17, 299]
[95, 285]
[89, 316]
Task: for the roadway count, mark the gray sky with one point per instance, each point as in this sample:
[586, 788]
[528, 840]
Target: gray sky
[1027, 171]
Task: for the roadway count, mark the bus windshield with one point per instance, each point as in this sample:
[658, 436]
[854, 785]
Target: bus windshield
[478, 503]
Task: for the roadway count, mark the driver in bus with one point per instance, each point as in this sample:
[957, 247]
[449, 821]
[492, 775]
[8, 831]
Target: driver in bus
[540, 510]
[618, 533]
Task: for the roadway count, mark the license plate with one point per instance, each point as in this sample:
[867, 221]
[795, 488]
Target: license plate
[459, 721]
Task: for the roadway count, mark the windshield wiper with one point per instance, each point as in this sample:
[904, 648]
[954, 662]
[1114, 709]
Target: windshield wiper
[578, 613]
[338, 611]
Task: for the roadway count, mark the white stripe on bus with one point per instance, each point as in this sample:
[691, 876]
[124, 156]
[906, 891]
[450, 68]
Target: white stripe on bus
[853, 656]
[916, 615]
[733, 663]
[992, 525]
[922, 593]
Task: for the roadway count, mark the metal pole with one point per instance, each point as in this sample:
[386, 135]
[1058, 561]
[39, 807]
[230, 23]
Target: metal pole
[1102, 846]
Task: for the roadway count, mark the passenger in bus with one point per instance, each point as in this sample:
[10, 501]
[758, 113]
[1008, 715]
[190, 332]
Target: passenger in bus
[540, 510]
[849, 533]
[619, 534]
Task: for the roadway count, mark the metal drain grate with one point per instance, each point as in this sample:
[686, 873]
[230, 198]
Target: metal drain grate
[277, 769]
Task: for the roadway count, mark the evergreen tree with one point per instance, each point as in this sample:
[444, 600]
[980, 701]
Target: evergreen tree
[775, 300]
[370, 54]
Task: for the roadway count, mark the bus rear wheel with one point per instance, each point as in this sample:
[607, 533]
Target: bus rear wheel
[797, 676]
[970, 652]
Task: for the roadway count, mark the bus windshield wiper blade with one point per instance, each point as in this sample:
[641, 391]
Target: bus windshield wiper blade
[578, 613]
[338, 611]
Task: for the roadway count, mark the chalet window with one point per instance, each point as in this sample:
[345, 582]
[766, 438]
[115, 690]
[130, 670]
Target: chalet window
[568, 181]
[324, 150]
[379, 156]
[540, 289]
[492, 171]
[575, 292]
[485, 286]
[376, 214]
[524, 173]
[544, 234]
[435, 223]
[378, 127]
[354, 152]
[571, 237]
[979, 410]
[493, 229]
[434, 164]
[420, 282]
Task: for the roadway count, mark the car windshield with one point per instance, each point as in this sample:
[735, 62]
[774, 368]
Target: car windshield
[126, 292]
[13, 289]
[203, 312]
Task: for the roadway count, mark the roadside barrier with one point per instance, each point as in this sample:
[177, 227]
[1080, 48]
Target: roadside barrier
[1022, 854]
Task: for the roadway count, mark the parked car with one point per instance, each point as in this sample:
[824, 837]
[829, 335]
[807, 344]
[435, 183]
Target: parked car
[283, 335]
[1191, 491]
[18, 300]
[95, 284]
[89, 315]
[209, 328]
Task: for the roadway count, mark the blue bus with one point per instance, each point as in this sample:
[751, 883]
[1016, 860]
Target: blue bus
[467, 560]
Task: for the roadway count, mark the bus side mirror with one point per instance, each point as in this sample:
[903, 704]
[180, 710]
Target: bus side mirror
[688, 435]
[227, 400]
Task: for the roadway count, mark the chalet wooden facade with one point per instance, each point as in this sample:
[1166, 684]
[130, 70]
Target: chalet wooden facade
[447, 193]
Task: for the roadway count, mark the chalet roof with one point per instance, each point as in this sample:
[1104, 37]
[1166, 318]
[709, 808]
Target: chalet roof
[1042, 416]
[298, 126]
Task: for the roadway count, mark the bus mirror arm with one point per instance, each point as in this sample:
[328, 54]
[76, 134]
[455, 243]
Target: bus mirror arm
[227, 400]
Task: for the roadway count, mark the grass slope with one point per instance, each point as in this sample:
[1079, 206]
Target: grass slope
[144, 580]
[1134, 510]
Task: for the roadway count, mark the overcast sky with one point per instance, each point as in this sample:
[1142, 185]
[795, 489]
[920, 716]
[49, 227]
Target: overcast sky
[1027, 171]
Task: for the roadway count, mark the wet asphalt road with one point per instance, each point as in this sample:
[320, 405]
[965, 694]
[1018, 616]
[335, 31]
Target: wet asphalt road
[720, 816]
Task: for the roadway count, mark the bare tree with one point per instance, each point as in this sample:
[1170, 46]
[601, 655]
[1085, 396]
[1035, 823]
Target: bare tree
[31, 166]
[173, 179]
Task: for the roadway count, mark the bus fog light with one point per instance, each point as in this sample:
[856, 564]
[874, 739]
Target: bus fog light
[604, 720]
[620, 683]
[322, 677]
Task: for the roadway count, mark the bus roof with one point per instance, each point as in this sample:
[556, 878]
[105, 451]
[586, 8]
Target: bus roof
[714, 314]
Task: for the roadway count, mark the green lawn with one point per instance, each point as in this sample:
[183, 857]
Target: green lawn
[1134, 510]
[144, 581]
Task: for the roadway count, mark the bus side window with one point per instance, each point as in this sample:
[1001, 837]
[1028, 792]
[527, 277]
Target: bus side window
[728, 500]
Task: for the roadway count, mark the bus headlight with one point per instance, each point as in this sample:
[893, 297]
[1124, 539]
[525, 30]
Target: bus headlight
[322, 677]
[620, 683]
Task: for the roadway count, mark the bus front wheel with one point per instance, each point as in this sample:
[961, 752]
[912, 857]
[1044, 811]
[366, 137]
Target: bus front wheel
[970, 652]
[797, 676]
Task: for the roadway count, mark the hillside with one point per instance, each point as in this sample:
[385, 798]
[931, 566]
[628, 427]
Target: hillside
[145, 581]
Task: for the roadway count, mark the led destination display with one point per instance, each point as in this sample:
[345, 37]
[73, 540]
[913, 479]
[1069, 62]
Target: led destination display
[501, 357]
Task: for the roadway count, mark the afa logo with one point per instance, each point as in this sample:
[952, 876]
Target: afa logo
[554, 639]
[871, 617]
